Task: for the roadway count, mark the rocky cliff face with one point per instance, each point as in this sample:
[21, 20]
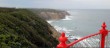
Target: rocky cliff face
[20, 28]
[50, 14]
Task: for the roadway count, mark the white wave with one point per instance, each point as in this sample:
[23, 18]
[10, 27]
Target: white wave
[67, 32]
[73, 12]
[50, 21]
[68, 11]
[62, 29]
[68, 18]
[74, 37]
[58, 28]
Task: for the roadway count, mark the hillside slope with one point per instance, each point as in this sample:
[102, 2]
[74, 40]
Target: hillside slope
[50, 14]
[20, 28]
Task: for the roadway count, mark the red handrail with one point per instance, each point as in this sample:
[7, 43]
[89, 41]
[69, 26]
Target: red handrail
[103, 32]
[74, 42]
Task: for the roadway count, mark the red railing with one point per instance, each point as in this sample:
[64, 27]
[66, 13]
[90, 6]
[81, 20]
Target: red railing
[103, 32]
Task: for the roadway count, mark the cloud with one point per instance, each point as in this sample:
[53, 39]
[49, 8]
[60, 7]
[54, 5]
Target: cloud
[16, 3]
[74, 4]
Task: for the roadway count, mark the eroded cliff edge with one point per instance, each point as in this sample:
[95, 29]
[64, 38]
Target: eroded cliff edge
[50, 14]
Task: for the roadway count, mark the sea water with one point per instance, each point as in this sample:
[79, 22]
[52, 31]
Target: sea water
[82, 22]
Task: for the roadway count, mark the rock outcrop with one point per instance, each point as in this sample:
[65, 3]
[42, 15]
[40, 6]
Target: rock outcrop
[50, 14]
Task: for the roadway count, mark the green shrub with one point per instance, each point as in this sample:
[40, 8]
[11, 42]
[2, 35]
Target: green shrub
[20, 28]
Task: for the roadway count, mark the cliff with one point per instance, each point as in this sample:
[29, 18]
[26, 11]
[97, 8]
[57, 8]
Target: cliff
[50, 14]
[20, 28]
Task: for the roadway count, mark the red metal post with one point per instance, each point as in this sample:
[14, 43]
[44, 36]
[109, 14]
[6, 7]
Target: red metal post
[62, 40]
[104, 33]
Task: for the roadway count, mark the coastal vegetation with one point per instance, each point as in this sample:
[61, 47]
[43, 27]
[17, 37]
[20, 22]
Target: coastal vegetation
[21, 28]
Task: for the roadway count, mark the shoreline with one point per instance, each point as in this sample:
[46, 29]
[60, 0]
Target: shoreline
[53, 20]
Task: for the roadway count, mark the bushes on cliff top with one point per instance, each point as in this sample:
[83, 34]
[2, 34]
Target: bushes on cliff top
[21, 28]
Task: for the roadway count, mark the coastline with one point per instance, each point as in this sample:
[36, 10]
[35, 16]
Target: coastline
[50, 14]
[57, 32]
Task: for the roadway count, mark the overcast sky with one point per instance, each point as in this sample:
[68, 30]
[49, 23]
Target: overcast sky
[58, 4]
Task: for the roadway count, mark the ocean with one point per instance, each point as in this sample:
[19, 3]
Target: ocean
[82, 22]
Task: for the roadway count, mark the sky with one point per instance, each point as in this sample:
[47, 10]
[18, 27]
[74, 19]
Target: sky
[57, 4]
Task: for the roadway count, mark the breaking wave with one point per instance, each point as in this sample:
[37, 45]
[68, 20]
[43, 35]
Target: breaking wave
[68, 18]
[50, 21]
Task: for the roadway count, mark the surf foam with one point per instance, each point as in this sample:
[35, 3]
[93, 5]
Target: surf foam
[68, 18]
[62, 29]
[50, 21]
